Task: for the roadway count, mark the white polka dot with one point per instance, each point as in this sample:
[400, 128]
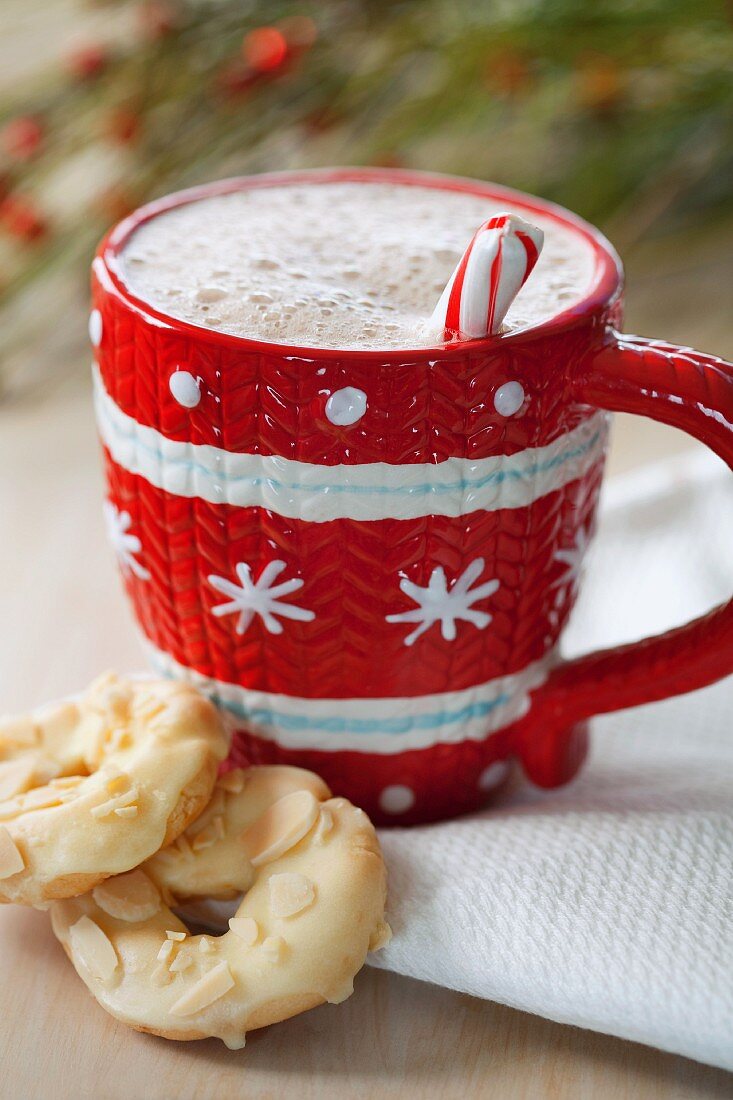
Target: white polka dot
[346, 406]
[95, 327]
[493, 775]
[509, 398]
[185, 389]
[397, 799]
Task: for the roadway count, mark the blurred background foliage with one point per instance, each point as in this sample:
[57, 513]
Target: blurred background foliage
[622, 110]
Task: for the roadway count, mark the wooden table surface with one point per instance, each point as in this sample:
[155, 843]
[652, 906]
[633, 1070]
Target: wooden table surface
[63, 620]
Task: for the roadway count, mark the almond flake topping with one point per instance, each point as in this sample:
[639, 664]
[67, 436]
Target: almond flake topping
[204, 945]
[178, 936]
[205, 839]
[380, 937]
[166, 950]
[40, 798]
[120, 739]
[11, 861]
[119, 802]
[273, 948]
[245, 928]
[182, 961]
[341, 993]
[324, 826]
[183, 846]
[146, 706]
[117, 699]
[280, 827]
[67, 782]
[290, 893]
[94, 948]
[126, 811]
[16, 777]
[161, 975]
[232, 782]
[118, 783]
[207, 989]
[129, 897]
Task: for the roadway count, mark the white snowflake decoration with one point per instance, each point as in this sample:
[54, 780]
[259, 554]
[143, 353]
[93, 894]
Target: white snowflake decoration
[572, 558]
[440, 604]
[250, 598]
[125, 545]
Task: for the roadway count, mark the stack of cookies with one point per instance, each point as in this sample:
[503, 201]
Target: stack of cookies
[115, 812]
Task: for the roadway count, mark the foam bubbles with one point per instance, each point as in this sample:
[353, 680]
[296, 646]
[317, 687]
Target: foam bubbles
[333, 265]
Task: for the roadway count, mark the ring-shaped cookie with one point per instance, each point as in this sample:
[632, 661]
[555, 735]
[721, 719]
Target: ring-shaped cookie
[93, 787]
[315, 885]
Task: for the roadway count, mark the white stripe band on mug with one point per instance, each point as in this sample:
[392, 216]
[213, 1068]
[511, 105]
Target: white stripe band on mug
[367, 491]
[384, 726]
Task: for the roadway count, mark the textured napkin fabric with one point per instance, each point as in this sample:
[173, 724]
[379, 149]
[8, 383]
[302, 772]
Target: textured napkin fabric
[609, 903]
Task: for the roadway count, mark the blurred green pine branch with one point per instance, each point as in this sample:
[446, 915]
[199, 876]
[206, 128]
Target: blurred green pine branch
[623, 111]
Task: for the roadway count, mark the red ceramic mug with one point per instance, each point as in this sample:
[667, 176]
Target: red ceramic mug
[368, 557]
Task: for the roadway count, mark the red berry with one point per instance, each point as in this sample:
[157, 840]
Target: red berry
[21, 137]
[265, 49]
[600, 84]
[123, 125]
[86, 62]
[20, 217]
[157, 19]
[508, 74]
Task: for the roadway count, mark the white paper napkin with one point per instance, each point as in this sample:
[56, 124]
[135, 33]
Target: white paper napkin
[609, 903]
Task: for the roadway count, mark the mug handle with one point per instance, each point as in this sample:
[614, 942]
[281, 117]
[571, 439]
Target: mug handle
[691, 391]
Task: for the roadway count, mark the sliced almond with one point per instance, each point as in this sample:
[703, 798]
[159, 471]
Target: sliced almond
[380, 937]
[128, 897]
[290, 893]
[121, 739]
[126, 811]
[205, 839]
[166, 951]
[93, 948]
[11, 861]
[117, 699]
[177, 936]
[182, 961]
[341, 993]
[324, 826]
[67, 782]
[232, 782]
[207, 989]
[40, 798]
[119, 783]
[145, 706]
[280, 827]
[120, 801]
[273, 948]
[205, 946]
[183, 846]
[245, 929]
[161, 975]
[16, 776]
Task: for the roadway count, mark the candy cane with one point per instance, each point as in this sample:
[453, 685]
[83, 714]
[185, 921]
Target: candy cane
[488, 278]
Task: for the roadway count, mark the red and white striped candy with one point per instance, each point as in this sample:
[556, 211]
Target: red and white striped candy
[490, 274]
